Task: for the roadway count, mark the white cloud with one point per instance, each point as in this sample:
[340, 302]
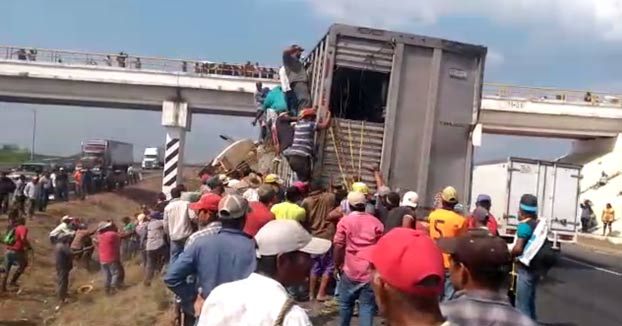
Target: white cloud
[494, 58]
[599, 18]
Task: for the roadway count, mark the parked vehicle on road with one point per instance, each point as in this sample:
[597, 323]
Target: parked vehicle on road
[153, 158]
[108, 160]
[555, 184]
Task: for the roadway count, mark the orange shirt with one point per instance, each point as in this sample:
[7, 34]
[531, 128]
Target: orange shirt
[78, 177]
[446, 224]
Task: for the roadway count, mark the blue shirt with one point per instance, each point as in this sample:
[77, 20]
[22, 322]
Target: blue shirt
[275, 100]
[226, 256]
[524, 231]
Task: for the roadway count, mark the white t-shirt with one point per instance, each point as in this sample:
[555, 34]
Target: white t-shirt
[284, 80]
[253, 301]
[251, 194]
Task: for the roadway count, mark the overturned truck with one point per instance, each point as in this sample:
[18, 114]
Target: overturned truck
[405, 102]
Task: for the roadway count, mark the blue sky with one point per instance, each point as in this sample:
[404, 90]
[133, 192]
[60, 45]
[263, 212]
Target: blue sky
[569, 44]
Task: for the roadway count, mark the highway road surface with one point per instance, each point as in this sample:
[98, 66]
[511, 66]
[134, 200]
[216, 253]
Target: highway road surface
[585, 289]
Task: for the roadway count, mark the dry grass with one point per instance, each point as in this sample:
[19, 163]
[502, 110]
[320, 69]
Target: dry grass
[35, 303]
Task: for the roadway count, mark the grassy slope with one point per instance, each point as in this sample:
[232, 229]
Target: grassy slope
[135, 305]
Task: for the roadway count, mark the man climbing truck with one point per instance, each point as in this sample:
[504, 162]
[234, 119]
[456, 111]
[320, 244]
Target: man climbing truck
[406, 102]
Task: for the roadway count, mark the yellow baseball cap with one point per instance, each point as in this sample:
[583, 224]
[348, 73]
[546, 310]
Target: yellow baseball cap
[450, 195]
[272, 178]
[360, 187]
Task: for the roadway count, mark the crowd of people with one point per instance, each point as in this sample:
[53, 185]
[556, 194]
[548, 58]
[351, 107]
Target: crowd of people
[246, 248]
[250, 249]
[123, 60]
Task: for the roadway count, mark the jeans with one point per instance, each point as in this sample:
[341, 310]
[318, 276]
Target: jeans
[60, 193]
[11, 258]
[526, 284]
[155, 261]
[585, 225]
[44, 197]
[448, 291]
[177, 247]
[303, 97]
[4, 203]
[349, 292]
[301, 165]
[30, 204]
[113, 275]
[62, 282]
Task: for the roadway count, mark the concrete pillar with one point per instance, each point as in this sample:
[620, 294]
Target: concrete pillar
[176, 119]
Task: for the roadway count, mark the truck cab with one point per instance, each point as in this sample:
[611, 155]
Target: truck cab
[152, 158]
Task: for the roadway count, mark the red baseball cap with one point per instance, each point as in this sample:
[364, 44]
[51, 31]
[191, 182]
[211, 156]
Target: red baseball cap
[406, 257]
[208, 202]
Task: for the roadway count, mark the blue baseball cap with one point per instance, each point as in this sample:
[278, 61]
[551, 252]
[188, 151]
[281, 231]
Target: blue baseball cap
[483, 197]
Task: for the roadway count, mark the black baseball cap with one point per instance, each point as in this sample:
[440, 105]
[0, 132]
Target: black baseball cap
[478, 250]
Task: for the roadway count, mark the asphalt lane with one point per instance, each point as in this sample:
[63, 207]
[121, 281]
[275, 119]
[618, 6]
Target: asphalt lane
[584, 289]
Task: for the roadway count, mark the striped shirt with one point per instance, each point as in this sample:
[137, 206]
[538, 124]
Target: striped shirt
[210, 229]
[477, 308]
[304, 131]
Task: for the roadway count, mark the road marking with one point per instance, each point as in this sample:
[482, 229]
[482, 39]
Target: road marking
[604, 270]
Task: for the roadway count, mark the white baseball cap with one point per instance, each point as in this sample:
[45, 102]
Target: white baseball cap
[410, 199]
[283, 236]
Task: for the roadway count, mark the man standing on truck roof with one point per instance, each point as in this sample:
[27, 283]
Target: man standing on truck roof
[445, 223]
[300, 153]
[297, 76]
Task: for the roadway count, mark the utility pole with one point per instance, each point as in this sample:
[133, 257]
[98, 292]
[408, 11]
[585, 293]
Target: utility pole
[34, 134]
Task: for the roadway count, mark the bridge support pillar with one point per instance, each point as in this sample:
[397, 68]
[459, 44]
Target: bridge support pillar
[176, 119]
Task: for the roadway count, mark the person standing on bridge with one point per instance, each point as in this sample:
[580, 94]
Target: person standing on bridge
[297, 76]
[177, 223]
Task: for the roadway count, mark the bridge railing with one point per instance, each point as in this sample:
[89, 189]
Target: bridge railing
[552, 95]
[131, 62]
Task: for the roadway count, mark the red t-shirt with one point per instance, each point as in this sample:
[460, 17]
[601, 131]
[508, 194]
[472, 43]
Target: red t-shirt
[21, 234]
[258, 217]
[492, 224]
[108, 247]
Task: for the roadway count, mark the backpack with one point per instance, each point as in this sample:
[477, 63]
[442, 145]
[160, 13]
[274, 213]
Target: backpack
[9, 238]
[546, 257]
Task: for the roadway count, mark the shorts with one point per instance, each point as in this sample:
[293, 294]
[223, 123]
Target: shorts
[323, 264]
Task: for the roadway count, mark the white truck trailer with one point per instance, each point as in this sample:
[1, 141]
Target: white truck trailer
[555, 184]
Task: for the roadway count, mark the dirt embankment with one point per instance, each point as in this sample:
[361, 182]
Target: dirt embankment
[35, 303]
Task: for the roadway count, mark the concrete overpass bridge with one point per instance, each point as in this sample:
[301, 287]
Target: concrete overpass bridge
[179, 88]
